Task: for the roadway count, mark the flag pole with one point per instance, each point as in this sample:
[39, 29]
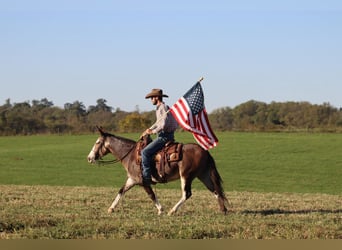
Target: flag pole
[199, 80]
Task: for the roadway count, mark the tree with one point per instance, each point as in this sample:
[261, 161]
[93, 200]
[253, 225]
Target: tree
[245, 115]
[100, 106]
[222, 119]
[43, 103]
[77, 108]
[21, 120]
[134, 122]
[41, 116]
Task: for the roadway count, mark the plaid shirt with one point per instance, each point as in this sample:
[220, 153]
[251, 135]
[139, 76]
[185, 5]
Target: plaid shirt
[165, 121]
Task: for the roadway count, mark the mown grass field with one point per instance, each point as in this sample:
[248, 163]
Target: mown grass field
[280, 185]
[45, 212]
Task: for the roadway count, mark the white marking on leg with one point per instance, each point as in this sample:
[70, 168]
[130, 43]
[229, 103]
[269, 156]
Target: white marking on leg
[181, 201]
[128, 185]
[158, 206]
[115, 203]
[154, 198]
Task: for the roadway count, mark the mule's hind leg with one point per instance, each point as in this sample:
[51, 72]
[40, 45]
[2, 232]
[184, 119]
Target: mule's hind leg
[186, 194]
[128, 185]
[213, 183]
[154, 198]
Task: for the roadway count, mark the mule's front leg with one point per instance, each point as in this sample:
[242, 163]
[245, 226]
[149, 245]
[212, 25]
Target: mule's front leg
[186, 194]
[128, 185]
[154, 198]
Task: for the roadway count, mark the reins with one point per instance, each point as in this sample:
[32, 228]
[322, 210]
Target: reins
[105, 162]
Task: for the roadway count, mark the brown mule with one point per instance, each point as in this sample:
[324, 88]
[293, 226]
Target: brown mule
[195, 162]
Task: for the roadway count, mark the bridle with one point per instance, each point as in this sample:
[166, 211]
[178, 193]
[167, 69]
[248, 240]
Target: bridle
[107, 162]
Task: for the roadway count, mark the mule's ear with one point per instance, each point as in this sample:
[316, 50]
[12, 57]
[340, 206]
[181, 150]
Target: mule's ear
[100, 129]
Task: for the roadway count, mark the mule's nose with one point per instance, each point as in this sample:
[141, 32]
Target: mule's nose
[90, 159]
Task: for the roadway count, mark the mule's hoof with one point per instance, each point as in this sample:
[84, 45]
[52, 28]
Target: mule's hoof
[171, 212]
[110, 210]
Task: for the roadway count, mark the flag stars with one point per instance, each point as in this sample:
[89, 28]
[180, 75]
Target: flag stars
[190, 113]
[195, 99]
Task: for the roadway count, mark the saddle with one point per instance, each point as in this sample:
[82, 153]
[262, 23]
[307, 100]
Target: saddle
[171, 152]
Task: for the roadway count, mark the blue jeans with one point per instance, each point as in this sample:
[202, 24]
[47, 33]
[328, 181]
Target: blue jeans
[150, 150]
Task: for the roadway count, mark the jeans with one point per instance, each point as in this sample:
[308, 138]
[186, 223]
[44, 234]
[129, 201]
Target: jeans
[150, 150]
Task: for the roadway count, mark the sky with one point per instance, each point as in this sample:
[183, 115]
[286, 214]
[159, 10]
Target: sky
[85, 50]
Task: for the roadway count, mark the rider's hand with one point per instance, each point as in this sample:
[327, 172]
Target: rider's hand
[146, 132]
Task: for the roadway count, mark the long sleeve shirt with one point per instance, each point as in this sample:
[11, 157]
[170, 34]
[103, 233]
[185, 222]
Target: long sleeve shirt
[165, 121]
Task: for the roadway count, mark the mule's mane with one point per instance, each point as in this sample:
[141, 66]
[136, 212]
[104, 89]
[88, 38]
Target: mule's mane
[126, 140]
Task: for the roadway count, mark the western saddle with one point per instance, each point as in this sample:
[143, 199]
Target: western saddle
[171, 152]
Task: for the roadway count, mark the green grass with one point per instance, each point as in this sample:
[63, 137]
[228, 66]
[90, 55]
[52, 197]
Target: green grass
[53, 160]
[279, 186]
[281, 162]
[257, 162]
[47, 212]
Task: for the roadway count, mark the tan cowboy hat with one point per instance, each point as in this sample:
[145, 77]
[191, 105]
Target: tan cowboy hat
[156, 92]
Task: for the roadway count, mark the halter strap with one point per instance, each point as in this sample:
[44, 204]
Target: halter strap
[104, 162]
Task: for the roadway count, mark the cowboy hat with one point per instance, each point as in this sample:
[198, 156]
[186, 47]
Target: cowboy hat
[156, 92]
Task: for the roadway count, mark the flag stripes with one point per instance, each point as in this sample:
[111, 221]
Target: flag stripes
[190, 113]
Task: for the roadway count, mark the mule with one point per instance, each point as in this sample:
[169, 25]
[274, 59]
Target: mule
[195, 162]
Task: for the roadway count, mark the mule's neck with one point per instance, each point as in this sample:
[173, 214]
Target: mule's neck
[120, 147]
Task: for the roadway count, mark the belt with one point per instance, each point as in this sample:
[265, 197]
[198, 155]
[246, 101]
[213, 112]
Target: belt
[165, 132]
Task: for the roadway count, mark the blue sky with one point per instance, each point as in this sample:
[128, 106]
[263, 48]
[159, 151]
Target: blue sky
[119, 50]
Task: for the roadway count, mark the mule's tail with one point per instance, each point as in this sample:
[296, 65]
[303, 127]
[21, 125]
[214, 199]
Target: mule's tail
[216, 178]
[217, 182]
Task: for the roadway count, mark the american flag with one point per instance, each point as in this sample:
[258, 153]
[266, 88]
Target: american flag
[190, 113]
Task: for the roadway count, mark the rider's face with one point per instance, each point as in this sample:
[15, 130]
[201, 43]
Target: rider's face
[154, 100]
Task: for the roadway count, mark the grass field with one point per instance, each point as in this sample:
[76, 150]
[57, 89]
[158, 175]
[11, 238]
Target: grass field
[257, 162]
[46, 212]
[280, 185]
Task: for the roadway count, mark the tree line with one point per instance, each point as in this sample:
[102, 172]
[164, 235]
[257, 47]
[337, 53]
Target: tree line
[43, 117]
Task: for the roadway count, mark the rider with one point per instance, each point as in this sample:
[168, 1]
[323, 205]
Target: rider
[164, 127]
